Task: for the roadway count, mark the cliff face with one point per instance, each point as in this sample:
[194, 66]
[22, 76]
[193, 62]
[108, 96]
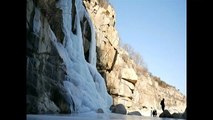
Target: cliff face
[149, 92]
[61, 59]
[66, 41]
[125, 83]
[45, 68]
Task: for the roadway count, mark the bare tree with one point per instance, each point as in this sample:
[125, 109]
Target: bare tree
[136, 57]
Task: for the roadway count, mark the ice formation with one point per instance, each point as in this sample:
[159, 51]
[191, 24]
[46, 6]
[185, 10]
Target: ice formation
[84, 85]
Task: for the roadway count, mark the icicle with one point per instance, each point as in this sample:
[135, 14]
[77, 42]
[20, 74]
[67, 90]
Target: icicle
[92, 50]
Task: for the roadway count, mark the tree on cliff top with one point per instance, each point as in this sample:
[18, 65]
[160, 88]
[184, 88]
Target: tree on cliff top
[136, 57]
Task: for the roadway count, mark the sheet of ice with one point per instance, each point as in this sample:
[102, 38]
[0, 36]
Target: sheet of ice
[84, 85]
[100, 84]
[94, 116]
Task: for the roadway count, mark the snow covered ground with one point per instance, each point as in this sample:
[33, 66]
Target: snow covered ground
[93, 116]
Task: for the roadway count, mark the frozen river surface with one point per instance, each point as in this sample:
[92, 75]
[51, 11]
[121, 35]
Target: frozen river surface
[93, 116]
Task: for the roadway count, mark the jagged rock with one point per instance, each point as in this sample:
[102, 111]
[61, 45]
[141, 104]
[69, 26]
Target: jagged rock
[112, 36]
[123, 100]
[107, 55]
[136, 95]
[129, 84]
[124, 90]
[112, 81]
[46, 105]
[53, 16]
[45, 70]
[121, 88]
[129, 75]
[106, 47]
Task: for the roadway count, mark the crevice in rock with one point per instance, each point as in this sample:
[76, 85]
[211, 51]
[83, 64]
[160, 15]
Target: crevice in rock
[59, 100]
[114, 60]
[53, 15]
[55, 22]
[73, 11]
[86, 35]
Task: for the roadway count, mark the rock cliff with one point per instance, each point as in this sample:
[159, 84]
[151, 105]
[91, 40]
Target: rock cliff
[126, 83]
[67, 40]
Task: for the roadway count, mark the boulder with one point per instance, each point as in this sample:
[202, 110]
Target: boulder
[99, 110]
[176, 115]
[165, 114]
[134, 113]
[119, 108]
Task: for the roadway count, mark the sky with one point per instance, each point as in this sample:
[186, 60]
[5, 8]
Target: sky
[157, 30]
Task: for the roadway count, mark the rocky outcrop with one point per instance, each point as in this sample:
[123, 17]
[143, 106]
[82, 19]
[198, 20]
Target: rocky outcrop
[45, 68]
[149, 93]
[103, 16]
[136, 91]
[110, 60]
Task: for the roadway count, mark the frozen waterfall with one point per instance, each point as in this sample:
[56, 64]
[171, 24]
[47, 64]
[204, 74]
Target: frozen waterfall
[84, 85]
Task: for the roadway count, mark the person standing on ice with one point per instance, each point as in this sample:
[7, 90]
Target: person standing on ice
[162, 104]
